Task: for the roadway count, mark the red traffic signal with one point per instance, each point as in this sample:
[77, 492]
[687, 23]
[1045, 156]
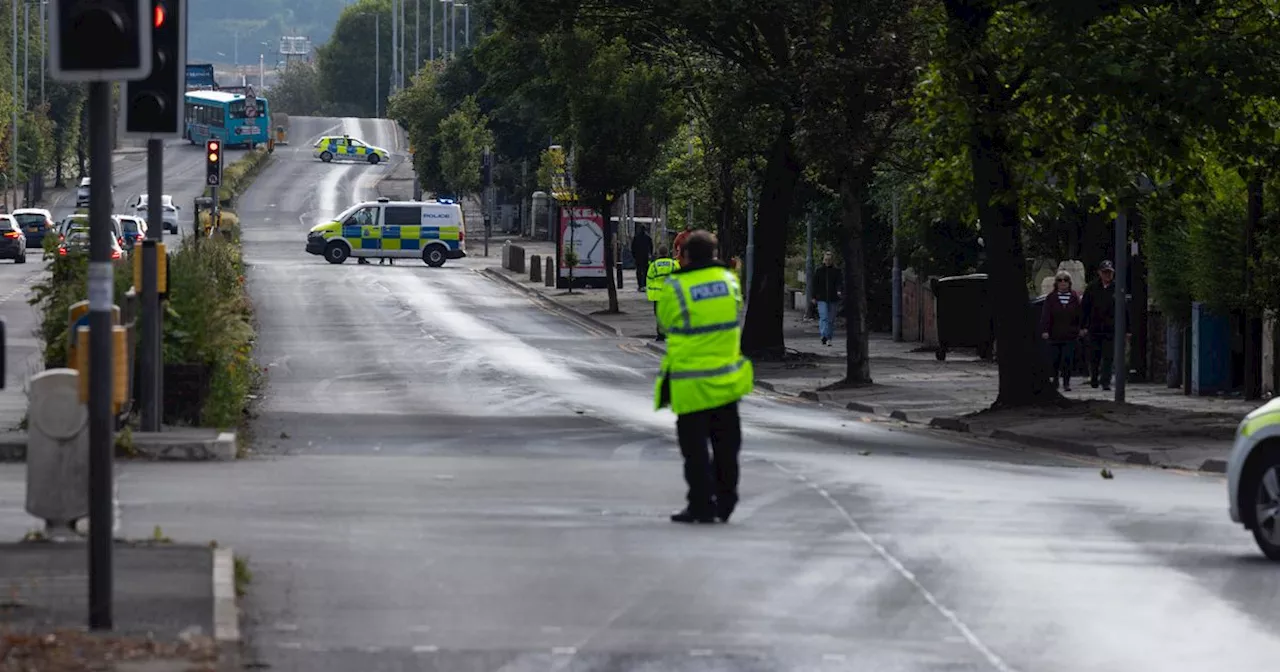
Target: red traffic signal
[158, 19]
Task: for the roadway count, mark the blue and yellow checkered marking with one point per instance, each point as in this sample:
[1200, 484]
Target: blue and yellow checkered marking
[400, 237]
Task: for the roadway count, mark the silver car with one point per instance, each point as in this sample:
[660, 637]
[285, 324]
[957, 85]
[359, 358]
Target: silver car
[168, 209]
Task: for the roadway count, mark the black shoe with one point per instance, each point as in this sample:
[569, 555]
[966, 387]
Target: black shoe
[687, 516]
[824, 341]
[660, 338]
[723, 512]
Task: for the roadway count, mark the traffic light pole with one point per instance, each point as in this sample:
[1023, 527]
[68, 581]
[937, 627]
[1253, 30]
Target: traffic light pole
[152, 359]
[101, 431]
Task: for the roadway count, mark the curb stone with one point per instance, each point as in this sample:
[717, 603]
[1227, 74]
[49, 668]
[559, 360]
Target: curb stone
[226, 615]
[173, 446]
[494, 273]
[950, 423]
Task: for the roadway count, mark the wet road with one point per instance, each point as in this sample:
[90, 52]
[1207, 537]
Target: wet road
[183, 179]
[451, 478]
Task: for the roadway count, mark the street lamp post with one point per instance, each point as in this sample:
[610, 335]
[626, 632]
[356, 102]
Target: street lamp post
[431, 26]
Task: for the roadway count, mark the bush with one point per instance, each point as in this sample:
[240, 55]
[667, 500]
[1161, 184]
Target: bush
[67, 283]
[210, 323]
[238, 176]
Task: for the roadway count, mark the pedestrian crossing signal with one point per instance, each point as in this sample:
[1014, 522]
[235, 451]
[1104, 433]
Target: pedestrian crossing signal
[213, 173]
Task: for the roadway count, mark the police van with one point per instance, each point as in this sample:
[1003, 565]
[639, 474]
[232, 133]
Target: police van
[433, 231]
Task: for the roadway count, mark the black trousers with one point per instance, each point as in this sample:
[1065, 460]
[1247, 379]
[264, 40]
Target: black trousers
[712, 476]
[642, 271]
[1102, 357]
[1063, 355]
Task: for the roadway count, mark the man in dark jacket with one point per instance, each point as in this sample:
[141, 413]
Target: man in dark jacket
[1099, 307]
[641, 249]
[827, 283]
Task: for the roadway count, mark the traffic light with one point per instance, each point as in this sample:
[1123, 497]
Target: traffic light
[154, 105]
[100, 40]
[213, 163]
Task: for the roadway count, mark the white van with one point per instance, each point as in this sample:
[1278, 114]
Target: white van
[433, 231]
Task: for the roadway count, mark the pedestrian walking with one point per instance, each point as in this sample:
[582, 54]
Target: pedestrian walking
[1062, 324]
[655, 280]
[828, 283]
[641, 250]
[703, 376]
[1099, 307]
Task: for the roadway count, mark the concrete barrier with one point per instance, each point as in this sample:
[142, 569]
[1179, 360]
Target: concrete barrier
[57, 450]
[535, 268]
[515, 256]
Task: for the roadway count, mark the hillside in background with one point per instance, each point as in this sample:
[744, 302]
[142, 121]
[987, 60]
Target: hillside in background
[230, 31]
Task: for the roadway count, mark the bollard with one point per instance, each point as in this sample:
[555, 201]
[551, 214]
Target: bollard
[535, 268]
[57, 450]
[516, 257]
[506, 255]
[549, 276]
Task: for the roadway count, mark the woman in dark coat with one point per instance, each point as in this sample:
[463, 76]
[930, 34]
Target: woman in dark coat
[1060, 325]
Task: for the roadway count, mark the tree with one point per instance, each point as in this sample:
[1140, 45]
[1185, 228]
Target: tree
[420, 109]
[297, 91]
[856, 75]
[66, 101]
[620, 113]
[463, 138]
[345, 65]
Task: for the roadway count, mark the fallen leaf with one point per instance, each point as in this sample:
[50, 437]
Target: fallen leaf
[1106, 473]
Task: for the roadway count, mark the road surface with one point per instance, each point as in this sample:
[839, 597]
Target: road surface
[449, 477]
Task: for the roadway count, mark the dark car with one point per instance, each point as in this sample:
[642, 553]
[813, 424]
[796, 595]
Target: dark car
[36, 224]
[76, 243]
[13, 244]
[135, 231]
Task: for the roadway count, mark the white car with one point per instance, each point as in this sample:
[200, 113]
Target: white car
[1253, 477]
[170, 211]
[82, 193]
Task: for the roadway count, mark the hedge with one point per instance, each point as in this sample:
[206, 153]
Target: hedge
[237, 177]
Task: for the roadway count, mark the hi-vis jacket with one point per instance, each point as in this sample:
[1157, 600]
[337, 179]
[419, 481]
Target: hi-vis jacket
[659, 269]
[704, 368]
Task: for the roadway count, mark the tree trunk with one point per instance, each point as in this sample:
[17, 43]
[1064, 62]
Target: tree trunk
[853, 198]
[762, 330]
[606, 213]
[726, 227]
[1253, 319]
[60, 155]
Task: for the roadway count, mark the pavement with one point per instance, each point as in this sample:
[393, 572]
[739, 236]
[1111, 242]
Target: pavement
[169, 594]
[1156, 426]
[452, 474]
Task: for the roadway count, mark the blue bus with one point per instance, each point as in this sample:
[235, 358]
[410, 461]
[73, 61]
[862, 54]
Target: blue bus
[220, 115]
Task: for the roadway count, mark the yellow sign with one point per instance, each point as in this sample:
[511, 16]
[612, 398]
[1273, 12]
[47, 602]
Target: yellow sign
[119, 370]
[162, 279]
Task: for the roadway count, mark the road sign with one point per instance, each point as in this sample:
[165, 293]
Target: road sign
[214, 181]
[250, 103]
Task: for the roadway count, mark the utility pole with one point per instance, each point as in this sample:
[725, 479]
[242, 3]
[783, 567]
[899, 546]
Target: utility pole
[43, 52]
[394, 26]
[431, 26]
[466, 26]
[101, 356]
[751, 242]
[417, 36]
[897, 276]
[1120, 364]
[26, 54]
[13, 147]
[808, 267]
[377, 63]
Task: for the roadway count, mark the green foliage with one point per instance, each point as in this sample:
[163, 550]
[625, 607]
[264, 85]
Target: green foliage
[420, 109]
[297, 90]
[66, 282]
[36, 143]
[682, 178]
[462, 138]
[346, 64]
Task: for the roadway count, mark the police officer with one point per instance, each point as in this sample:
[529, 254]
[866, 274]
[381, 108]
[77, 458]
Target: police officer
[659, 269]
[704, 375]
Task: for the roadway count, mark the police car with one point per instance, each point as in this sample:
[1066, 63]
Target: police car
[433, 231]
[1253, 477]
[347, 148]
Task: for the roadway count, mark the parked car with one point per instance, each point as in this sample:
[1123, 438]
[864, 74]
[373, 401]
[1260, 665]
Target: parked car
[13, 242]
[78, 243]
[169, 210]
[36, 223]
[134, 229]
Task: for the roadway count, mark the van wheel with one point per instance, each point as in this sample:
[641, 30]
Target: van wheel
[336, 252]
[1260, 490]
[326, 157]
[374, 159]
[434, 256]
